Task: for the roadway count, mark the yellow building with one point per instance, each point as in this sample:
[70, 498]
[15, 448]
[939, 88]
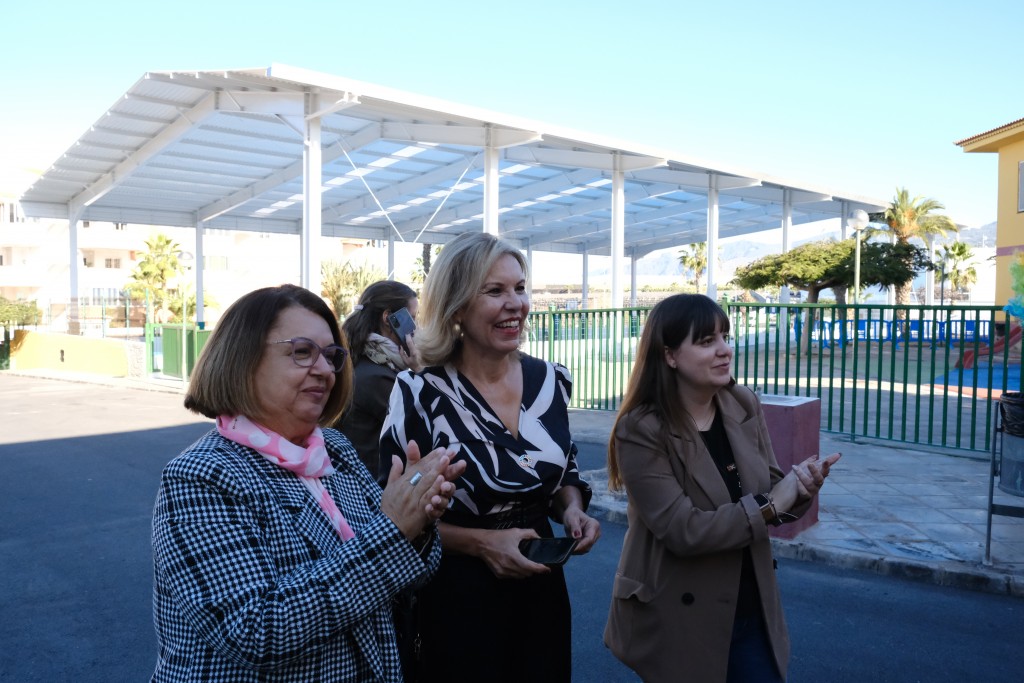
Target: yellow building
[1008, 142]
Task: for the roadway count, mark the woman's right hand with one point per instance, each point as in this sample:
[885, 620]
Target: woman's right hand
[499, 549]
[802, 482]
[420, 495]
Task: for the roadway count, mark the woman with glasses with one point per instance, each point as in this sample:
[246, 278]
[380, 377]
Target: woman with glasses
[276, 554]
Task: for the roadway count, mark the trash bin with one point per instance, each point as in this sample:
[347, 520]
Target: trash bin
[1011, 406]
[1011, 462]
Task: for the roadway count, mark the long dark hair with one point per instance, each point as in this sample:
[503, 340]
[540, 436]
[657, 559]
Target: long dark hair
[653, 385]
[381, 296]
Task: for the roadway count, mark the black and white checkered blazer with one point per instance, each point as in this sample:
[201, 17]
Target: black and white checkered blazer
[252, 583]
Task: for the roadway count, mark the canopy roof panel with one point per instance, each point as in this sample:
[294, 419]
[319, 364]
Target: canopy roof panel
[226, 148]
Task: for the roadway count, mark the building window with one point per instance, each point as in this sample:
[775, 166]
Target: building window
[215, 262]
[119, 226]
[1020, 187]
[112, 263]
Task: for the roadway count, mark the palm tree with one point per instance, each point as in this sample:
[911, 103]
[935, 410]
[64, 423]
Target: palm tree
[159, 266]
[908, 219]
[955, 259]
[695, 259]
[343, 283]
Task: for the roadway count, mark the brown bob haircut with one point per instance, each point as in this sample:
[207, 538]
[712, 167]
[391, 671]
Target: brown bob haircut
[224, 379]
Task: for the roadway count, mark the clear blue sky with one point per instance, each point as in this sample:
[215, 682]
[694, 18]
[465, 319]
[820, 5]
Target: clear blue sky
[859, 97]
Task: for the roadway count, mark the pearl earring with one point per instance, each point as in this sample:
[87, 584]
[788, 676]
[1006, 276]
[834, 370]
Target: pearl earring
[457, 329]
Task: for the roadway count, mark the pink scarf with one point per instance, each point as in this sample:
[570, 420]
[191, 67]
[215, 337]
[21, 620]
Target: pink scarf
[308, 464]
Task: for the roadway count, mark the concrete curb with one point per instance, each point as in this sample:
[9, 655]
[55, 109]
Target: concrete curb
[952, 574]
[608, 508]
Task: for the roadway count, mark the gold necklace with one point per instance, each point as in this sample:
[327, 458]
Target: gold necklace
[703, 426]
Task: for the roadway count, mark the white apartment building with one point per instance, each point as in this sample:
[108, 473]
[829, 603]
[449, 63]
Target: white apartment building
[34, 260]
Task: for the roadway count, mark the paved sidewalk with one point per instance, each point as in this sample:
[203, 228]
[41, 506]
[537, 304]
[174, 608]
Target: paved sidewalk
[886, 508]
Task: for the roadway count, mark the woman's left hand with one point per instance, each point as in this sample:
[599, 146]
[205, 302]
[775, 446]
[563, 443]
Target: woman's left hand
[412, 360]
[420, 495]
[582, 527]
[811, 474]
[577, 523]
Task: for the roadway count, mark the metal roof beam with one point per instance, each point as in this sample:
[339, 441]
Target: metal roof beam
[334, 151]
[580, 208]
[159, 142]
[695, 180]
[546, 156]
[471, 136]
[526, 192]
[364, 203]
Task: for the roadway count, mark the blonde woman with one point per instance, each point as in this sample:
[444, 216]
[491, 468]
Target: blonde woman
[505, 415]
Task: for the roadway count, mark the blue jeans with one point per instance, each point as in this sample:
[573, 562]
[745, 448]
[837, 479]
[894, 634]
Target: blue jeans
[750, 655]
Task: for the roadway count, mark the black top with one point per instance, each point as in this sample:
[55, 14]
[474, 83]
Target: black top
[362, 422]
[748, 601]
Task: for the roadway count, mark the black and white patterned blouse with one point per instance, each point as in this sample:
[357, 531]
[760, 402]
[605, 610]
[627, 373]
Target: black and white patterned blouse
[440, 407]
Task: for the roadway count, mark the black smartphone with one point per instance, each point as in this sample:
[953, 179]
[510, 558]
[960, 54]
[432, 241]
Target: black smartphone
[550, 551]
[402, 324]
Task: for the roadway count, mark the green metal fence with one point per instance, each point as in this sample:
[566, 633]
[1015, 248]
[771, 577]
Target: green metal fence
[926, 375]
[5, 347]
[598, 346]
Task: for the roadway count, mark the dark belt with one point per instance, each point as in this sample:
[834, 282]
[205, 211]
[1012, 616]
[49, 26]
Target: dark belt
[529, 514]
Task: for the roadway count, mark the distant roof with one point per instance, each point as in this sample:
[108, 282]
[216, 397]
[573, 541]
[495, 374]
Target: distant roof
[986, 142]
[226, 148]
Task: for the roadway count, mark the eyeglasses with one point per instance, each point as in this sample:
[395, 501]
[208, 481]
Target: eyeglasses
[305, 353]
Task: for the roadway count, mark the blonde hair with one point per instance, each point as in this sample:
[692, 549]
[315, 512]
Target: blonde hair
[457, 276]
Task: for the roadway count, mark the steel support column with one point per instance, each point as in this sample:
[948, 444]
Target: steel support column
[200, 308]
[712, 254]
[312, 206]
[491, 187]
[618, 230]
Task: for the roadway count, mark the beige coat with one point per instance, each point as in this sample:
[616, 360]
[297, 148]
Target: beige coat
[676, 587]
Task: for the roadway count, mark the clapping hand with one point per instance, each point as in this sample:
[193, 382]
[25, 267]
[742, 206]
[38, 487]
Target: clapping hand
[420, 494]
[811, 474]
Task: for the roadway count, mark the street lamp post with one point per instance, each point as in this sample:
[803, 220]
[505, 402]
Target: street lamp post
[857, 221]
[185, 259]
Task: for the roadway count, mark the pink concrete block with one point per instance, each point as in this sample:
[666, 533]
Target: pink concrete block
[794, 425]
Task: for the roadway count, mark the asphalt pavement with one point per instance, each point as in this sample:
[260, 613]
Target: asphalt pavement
[81, 462]
[885, 508]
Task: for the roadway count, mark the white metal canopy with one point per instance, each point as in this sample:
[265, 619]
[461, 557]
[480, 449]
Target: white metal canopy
[287, 150]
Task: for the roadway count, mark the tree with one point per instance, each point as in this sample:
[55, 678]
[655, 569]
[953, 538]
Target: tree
[954, 261]
[158, 266]
[827, 264]
[909, 218]
[815, 266]
[422, 263]
[695, 259]
[342, 284]
[811, 267]
[19, 313]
